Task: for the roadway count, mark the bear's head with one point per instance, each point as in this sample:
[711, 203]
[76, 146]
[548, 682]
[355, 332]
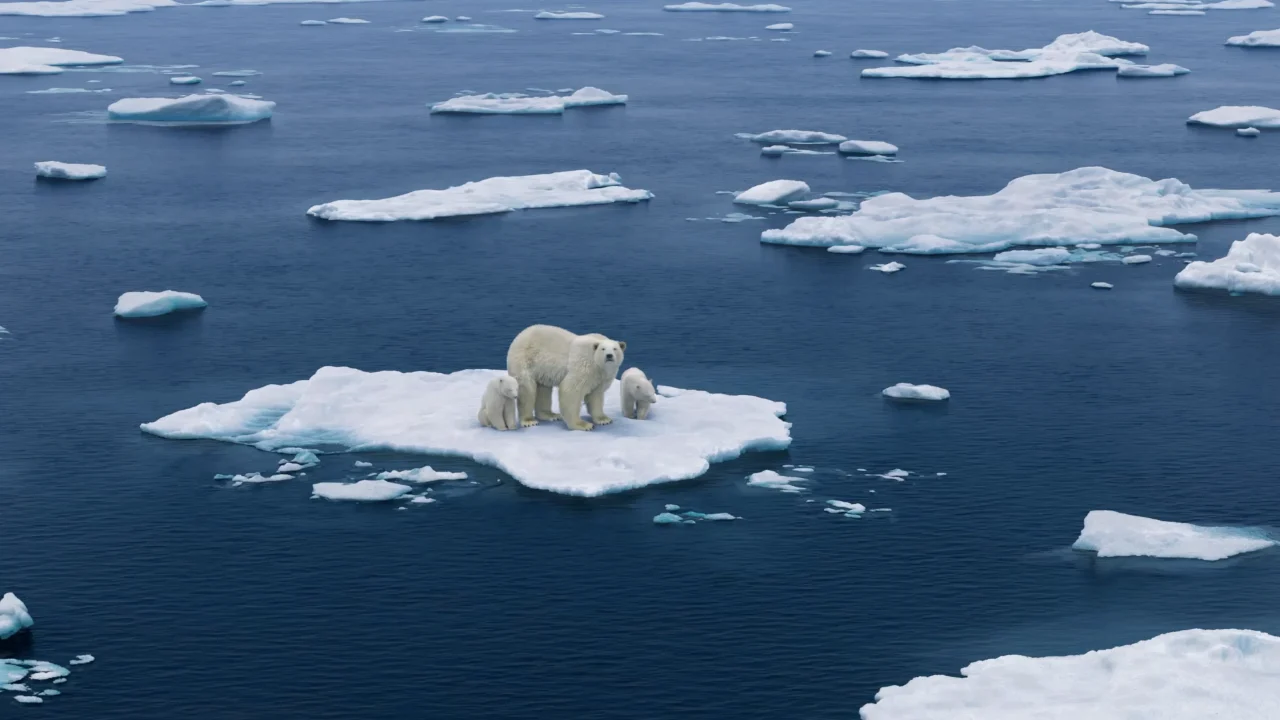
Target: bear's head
[608, 354]
[508, 387]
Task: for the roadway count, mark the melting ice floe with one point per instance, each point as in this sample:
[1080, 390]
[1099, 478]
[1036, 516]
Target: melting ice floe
[362, 491]
[424, 474]
[907, 391]
[1186, 675]
[868, 147]
[1238, 116]
[689, 517]
[520, 104]
[191, 110]
[151, 304]
[47, 61]
[433, 413]
[67, 91]
[1151, 71]
[774, 192]
[775, 481]
[547, 15]
[873, 54]
[1251, 265]
[1113, 534]
[780, 150]
[794, 137]
[725, 7]
[69, 171]
[14, 618]
[494, 195]
[1257, 38]
[1091, 204]
[1068, 53]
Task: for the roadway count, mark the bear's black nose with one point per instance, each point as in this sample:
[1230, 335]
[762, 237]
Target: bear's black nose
[608, 356]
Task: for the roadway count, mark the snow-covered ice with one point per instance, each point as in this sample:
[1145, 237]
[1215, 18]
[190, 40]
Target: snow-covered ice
[774, 481]
[1248, 132]
[494, 195]
[423, 474]
[868, 147]
[347, 21]
[435, 19]
[191, 110]
[891, 267]
[1101, 285]
[1184, 675]
[1136, 259]
[547, 15]
[846, 249]
[725, 7]
[150, 304]
[82, 8]
[875, 54]
[69, 171]
[774, 192]
[1039, 256]
[1067, 53]
[1238, 116]
[794, 137]
[822, 53]
[1257, 38]
[1151, 71]
[434, 413]
[1251, 265]
[47, 61]
[780, 27]
[1114, 534]
[184, 80]
[14, 616]
[362, 491]
[313, 23]
[29, 699]
[363, 464]
[519, 104]
[907, 391]
[1091, 204]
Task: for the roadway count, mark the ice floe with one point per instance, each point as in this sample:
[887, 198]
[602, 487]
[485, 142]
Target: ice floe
[725, 7]
[82, 8]
[689, 517]
[1136, 259]
[775, 481]
[1248, 132]
[1087, 204]
[907, 391]
[48, 61]
[794, 137]
[67, 91]
[1238, 116]
[494, 195]
[1185, 675]
[822, 53]
[1151, 71]
[868, 147]
[1251, 265]
[237, 73]
[1257, 38]
[223, 109]
[847, 509]
[313, 23]
[1114, 534]
[362, 491]
[14, 617]
[814, 205]
[890, 267]
[435, 19]
[184, 80]
[870, 54]
[520, 104]
[69, 171]
[547, 15]
[151, 304]
[423, 474]
[774, 192]
[780, 150]
[780, 27]
[1067, 53]
[82, 660]
[846, 249]
[434, 413]
[1101, 285]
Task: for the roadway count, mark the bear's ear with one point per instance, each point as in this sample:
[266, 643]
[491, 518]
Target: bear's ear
[622, 344]
[595, 346]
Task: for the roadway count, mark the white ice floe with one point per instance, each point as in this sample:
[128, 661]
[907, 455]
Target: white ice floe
[191, 110]
[666, 518]
[848, 509]
[822, 53]
[1101, 285]
[907, 391]
[82, 660]
[151, 304]
[1248, 132]
[1238, 116]
[713, 517]
[868, 147]
[874, 54]
[814, 205]
[794, 137]
[29, 699]
[1039, 256]
[774, 192]
[1251, 265]
[14, 618]
[495, 195]
[69, 171]
[1185, 675]
[846, 249]
[547, 15]
[1068, 53]
[1151, 71]
[433, 19]
[519, 104]
[237, 73]
[363, 464]
[82, 8]
[1182, 13]
[313, 23]
[1087, 204]
[774, 481]
[891, 267]
[289, 467]
[47, 61]
[347, 21]
[1136, 259]
[67, 91]
[780, 150]
[362, 491]
[184, 80]
[725, 7]
[423, 474]
[1257, 38]
[434, 413]
[780, 27]
[1113, 534]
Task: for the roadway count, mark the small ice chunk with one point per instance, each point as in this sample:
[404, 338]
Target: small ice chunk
[423, 474]
[362, 491]
[463, 18]
[1238, 116]
[780, 150]
[667, 518]
[421, 500]
[547, 15]
[907, 391]
[774, 192]
[814, 205]
[289, 467]
[720, 517]
[312, 23]
[348, 21]
[780, 27]
[1044, 256]
[895, 474]
[725, 7]
[184, 80]
[877, 54]
[848, 508]
[868, 147]
[82, 660]
[891, 267]
[1136, 259]
[822, 53]
[42, 670]
[671, 508]
[14, 617]
[846, 249]
[69, 171]
[237, 73]
[435, 19]
[1151, 71]
[362, 464]
[1251, 265]
[302, 456]
[150, 304]
[1113, 534]
[49, 692]
[191, 110]
[1088, 246]
[1248, 132]
[1101, 285]
[794, 137]
[773, 481]
[28, 699]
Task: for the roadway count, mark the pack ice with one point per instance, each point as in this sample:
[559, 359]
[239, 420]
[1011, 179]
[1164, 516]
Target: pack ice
[151, 304]
[433, 413]
[1068, 53]
[47, 61]
[1090, 204]
[69, 171]
[494, 195]
[220, 109]
[82, 8]
[1257, 38]
[1113, 534]
[725, 7]
[520, 104]
[1237, 116]
[1251, 265]
[1185, 675]
[14, 618]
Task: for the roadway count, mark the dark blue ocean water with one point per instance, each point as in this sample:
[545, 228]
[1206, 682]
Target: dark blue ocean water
[205, 601]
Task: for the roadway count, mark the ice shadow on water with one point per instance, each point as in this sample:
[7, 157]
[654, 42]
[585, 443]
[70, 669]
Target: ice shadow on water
[18, 646]
[917, 407]
[1106, 568]
[189, 319]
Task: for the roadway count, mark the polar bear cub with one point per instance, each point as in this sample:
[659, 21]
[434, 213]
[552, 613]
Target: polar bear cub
[498, 407]
[637, 394]
[583, 367]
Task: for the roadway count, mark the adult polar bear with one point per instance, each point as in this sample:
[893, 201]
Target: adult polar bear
[543, 357]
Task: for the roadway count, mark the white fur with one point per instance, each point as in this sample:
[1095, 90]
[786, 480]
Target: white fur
[498, 407]
[637, 394]
[543, 357]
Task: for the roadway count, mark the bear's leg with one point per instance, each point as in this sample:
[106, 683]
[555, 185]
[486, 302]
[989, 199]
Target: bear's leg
[642, 411]
[628, 405]
[509, 415]
[595, 407]
[526, 400]
[542, 406]
[571, 405]
[482, 417]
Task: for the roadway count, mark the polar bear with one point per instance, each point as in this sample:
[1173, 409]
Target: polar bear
[498, 407]
[637, 394]
[543, 357]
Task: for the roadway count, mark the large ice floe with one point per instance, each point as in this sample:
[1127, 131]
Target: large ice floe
[1237, 116]
[1185, 675]
[82, 8]
[1085, 205]
[1068, 53]
[48, 61]
[1257, 38]
[1113, 534]
[433, 413]
[521, 104]
[726, 7]
[14, 618]
[1251, 265]
[571, 188]
[214, 109]
[151, 304]
[55, 170]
